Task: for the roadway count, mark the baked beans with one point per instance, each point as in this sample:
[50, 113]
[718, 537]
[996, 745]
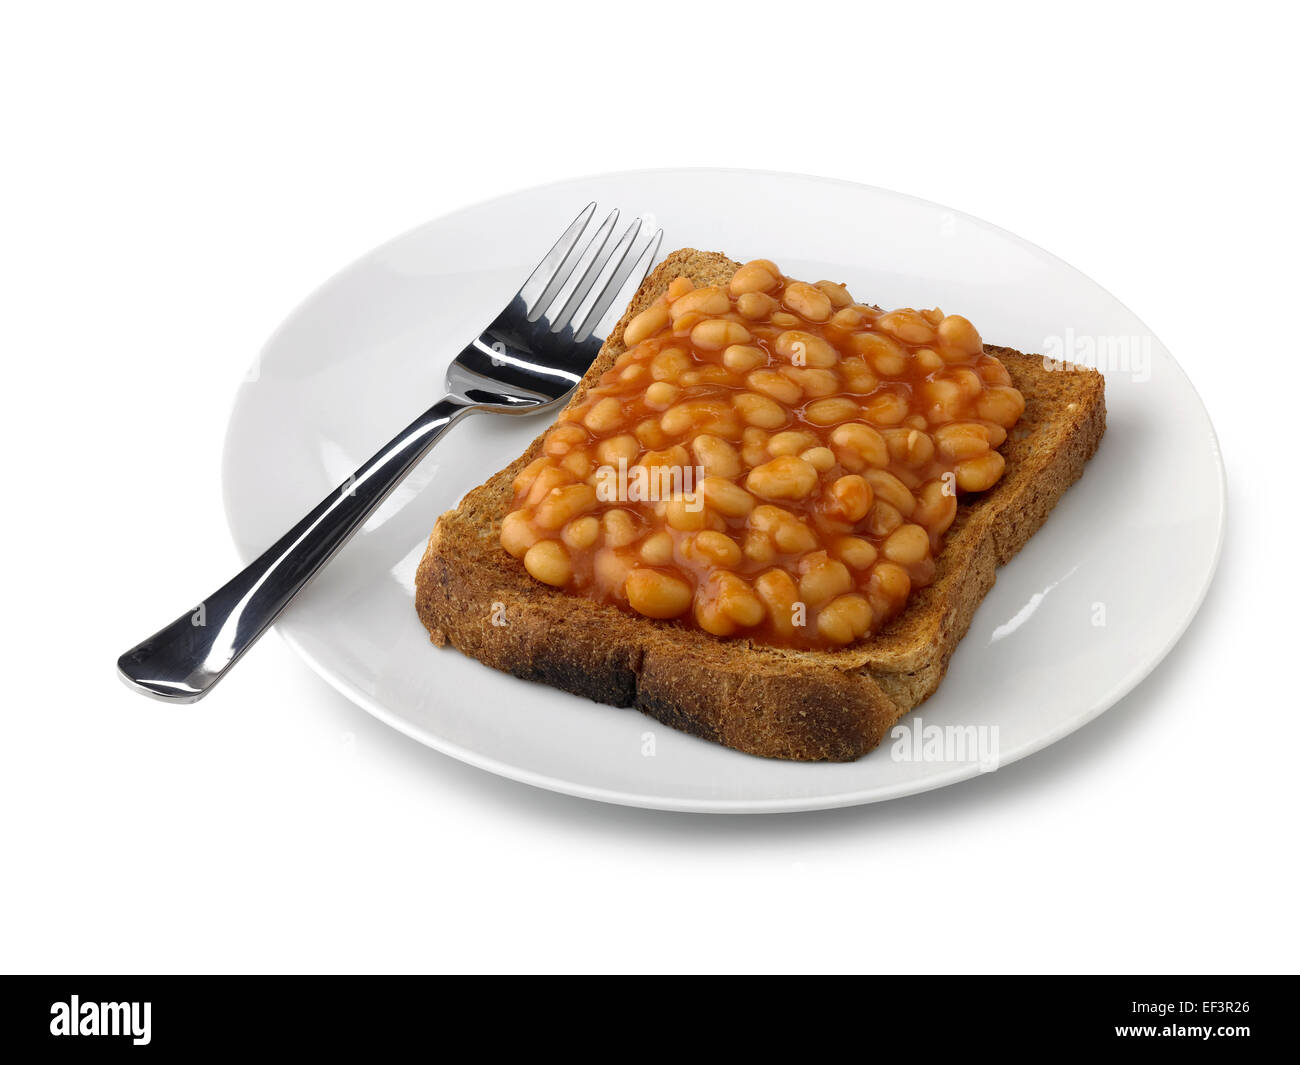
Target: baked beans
[825, 442]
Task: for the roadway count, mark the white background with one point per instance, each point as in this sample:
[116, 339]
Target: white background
[178, 177]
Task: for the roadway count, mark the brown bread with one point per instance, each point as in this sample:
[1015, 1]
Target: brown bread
[776, 702]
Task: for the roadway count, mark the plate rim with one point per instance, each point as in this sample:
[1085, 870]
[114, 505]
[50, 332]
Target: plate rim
[800, 804]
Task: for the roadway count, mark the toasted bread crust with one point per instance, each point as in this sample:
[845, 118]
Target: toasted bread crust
[777, 702]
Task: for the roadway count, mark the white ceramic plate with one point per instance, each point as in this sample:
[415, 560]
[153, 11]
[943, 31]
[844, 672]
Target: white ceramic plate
[1076, 620]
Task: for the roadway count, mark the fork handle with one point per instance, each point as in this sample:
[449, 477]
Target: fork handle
[182, 662]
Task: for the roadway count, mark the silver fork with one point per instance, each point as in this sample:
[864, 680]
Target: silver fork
[527, 361]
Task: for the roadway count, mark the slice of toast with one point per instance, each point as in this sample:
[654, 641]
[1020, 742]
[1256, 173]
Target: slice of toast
[771, 701]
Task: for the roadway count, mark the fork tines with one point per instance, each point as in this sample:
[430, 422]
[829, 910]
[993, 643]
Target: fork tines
[583, 284]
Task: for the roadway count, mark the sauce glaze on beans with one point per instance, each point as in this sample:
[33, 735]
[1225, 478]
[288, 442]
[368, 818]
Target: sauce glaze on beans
[830, 438]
